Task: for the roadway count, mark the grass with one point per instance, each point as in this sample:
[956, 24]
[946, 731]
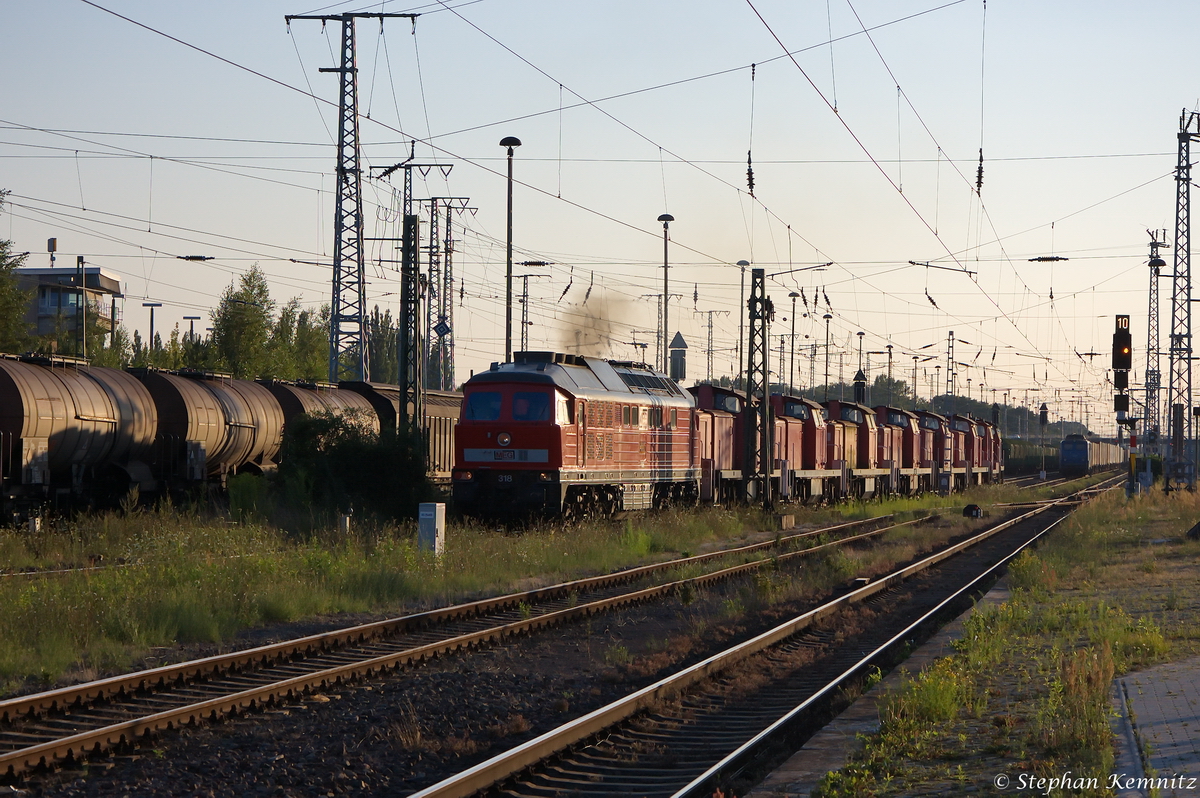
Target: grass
[191, 578]
[1027, 690]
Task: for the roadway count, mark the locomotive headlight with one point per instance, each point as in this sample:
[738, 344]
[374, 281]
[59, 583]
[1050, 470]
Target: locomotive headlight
[504, 439]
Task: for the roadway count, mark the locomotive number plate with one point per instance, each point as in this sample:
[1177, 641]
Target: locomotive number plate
[506, 455]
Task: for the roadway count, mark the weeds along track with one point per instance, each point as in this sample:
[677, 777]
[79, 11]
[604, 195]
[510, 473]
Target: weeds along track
[69, 723]
[713, 725]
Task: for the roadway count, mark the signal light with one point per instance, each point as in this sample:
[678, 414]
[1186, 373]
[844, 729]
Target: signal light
[1120, 380]
[1122, 351]
[1121, 402]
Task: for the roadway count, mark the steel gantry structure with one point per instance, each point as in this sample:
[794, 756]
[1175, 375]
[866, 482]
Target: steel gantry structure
[347, 318]
[1180, 465]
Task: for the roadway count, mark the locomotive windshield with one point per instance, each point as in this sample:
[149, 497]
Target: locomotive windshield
[929, 422]
[482, 406]
[531, 406]
[796, 410]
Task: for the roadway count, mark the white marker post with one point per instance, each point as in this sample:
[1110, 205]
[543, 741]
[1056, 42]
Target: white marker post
[431, 527]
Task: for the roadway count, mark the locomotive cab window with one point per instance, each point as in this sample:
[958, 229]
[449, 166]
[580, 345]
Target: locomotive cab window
[531, 406]
[852, 414]
[482, 406]
[562, 410]
[796, 410]
[930, 423]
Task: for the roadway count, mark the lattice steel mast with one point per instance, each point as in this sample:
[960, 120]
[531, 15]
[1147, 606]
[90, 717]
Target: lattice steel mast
[1180, 467]
[347, 319]
[757, 459]
[439, 301]
[1153, 422]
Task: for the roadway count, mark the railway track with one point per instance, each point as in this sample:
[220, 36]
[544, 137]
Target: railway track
[72, 722]
[704, 727]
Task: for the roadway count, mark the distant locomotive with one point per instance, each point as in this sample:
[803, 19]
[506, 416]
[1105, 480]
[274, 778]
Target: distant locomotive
[1079, 456]
[72, 433]
[558, 434]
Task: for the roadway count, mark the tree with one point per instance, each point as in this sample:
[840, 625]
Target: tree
[282, 345]
[242, 327]
[383, 365]
[115, 352]
[14, 302]
[311, 344]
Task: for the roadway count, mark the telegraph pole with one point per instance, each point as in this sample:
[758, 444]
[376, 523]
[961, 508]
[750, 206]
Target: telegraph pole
[347, 320]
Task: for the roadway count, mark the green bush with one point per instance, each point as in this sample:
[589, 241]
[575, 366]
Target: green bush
[336, 464]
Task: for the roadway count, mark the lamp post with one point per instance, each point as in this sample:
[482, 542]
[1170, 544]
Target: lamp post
[666, 220]
[152, 306]
[827, 317]
[742, 264]
[860, 340]
[510, 142]
[792, 364]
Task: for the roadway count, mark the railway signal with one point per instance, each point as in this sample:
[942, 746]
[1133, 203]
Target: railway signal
[1122, 362]
[1122, 353]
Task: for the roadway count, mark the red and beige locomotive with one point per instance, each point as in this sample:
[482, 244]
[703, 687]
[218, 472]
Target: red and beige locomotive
[552, 433]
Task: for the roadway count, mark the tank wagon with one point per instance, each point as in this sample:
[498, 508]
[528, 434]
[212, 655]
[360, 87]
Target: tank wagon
[1079, 456]
[558, 434]
[76, 434]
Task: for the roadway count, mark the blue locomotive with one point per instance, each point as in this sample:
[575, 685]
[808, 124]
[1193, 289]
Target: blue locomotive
[1079, 456]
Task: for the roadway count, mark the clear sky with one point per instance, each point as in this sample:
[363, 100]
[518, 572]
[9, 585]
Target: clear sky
[132, 148]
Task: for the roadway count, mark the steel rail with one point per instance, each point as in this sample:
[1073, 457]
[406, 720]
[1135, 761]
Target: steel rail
[261, 656]
[78, 745]
[737, 759]
[488, 773]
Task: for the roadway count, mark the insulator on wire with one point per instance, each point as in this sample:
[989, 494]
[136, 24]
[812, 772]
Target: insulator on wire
[749, 173]
[979, 174]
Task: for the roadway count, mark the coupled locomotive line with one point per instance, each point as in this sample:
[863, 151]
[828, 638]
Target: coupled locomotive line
[580, 767]
[82, 719]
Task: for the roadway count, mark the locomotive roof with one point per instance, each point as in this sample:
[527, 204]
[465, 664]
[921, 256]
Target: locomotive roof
[886, 409]
[801, 399]
[589, 377]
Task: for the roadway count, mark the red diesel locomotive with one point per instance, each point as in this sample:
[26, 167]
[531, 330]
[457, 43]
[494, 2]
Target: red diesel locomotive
[558, 434]
[566, 434]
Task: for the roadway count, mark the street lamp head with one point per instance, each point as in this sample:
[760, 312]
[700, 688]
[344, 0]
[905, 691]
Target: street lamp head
[666, 218]
[510, 142]
[794, 296]
[743, 263]
[827, 316]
